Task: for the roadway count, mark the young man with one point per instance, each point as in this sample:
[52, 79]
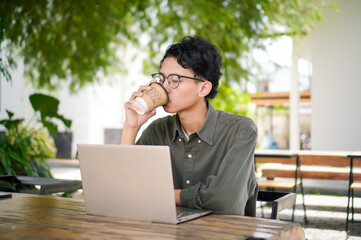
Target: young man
[211, 151]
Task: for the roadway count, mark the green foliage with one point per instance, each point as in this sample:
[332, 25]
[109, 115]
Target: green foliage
[41, 143]
[232, 100]
[24, 150]
[48, 106]
[25, 147]
[63, 40]
[5, 67]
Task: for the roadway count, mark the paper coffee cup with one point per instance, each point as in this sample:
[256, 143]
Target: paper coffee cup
[154, 98]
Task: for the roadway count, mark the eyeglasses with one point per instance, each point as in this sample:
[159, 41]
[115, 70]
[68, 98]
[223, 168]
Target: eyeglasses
[173, 79]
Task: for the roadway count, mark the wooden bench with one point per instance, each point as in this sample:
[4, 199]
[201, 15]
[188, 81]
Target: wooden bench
[311, 174]
[283, 157]
[337, 164]
[326, 165]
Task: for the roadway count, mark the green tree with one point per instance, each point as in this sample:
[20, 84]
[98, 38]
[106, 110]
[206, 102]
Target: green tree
[63, 40]
[228, 96]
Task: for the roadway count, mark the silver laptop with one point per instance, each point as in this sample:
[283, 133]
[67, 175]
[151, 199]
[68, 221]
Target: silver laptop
[131, 181]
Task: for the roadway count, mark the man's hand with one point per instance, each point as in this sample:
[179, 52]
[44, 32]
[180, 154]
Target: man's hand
[133, 120]
[178, 202]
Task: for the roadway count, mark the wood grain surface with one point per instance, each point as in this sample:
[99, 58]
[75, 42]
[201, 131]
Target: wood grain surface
[27, 216]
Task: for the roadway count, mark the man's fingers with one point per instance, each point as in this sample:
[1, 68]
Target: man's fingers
[131, 106]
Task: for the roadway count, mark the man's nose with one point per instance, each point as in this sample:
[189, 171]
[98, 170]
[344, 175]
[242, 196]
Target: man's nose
[166, 85]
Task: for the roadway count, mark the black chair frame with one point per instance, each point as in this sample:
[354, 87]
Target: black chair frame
[279, 200]
[47, 185]
[350, 196]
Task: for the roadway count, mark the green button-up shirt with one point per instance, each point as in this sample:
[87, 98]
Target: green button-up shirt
[215, 168]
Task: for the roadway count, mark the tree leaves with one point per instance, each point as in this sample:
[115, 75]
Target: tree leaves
[73, 40]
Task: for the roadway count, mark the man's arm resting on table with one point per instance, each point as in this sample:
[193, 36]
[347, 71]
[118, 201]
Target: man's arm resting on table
[177, 197]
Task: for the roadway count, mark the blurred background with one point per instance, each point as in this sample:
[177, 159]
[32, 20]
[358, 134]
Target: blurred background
[291, 65]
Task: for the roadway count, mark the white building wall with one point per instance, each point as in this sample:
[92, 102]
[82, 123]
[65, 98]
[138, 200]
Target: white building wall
[336, 84]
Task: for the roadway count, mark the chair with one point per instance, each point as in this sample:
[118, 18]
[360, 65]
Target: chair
[285, 158]
[351, 187]
[47, 185]
[279, 200]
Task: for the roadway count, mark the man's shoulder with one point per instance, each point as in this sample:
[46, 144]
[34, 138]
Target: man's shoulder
[167, 121]
[236, 125]
[235, 119]
[158, 131]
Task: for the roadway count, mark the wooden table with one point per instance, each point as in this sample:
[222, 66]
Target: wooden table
[27, 216]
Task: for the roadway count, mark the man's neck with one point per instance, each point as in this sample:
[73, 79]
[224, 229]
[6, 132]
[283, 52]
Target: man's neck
[193, 120]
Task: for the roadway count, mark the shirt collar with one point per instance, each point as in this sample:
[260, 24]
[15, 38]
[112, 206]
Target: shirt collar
[177, 130]
[206, 132]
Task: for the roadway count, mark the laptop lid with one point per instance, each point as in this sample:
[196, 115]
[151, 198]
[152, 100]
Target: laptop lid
[128, 181]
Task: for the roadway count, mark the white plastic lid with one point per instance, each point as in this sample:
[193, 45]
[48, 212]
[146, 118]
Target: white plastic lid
[141, 105]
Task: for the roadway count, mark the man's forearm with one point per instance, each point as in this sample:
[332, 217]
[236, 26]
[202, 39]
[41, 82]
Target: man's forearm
[177, 197]
[129, 135]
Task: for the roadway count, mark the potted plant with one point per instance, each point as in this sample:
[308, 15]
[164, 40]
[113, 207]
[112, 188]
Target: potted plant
[25, 146]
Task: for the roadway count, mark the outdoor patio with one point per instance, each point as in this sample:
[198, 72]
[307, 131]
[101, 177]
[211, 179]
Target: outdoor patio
[326, 216]
[326, 213]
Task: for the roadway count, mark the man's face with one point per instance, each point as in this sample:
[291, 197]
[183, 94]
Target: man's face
[185, 96]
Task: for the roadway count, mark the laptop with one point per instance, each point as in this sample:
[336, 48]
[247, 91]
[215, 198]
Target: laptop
[131, 181]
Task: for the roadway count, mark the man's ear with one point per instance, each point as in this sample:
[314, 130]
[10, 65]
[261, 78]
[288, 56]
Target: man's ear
[205, 89]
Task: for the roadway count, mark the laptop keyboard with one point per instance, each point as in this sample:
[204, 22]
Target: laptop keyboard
[182, 212]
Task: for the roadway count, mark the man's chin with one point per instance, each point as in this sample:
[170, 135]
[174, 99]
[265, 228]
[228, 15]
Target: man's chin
[167, 109]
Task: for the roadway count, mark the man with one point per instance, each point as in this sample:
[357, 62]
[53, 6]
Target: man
[211, 151]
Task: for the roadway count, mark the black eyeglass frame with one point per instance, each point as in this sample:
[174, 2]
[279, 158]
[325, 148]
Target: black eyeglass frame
[161, 81]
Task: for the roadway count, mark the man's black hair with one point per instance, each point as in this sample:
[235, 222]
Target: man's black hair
[199, 55]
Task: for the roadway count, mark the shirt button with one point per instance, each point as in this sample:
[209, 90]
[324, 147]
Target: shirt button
[189, 155]
[199, 141]
[180, 139]
[188, 182]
